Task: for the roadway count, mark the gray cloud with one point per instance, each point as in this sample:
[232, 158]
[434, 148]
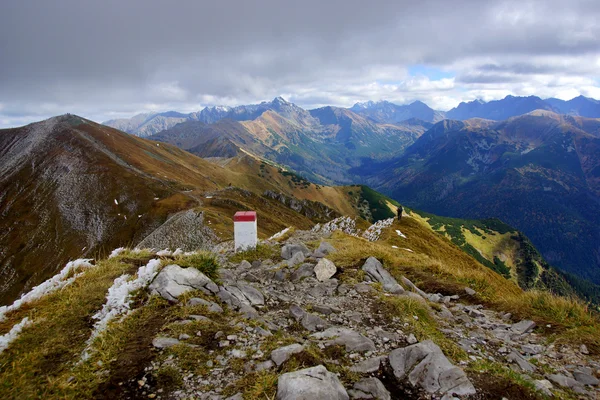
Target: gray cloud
[114, 58]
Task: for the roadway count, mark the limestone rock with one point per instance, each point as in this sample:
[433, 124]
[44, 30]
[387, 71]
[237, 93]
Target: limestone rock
[368, 366]
[326, 248]
[470, 291]
[172, 281]
[309, 321]
[297, 258]
[353, 341]
[303, 271]
[518, 359]
[164, 342]
[376, 272]
[369, 388]
[309, 384]
[288, 250]
[325, 269]
[240, 294]
[282, 354]
[523, 326]
[585, 379]
[425, 366]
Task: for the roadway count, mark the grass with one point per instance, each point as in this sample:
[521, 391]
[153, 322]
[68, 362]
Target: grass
[261, 252]
[36, 363]
[493, 378]
[425, 327]
[439, 266]
[204, 261]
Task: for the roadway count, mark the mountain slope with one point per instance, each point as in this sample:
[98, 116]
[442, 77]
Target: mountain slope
[538, 172]
[70, 187]
[578, 106]
[390, 113]
[498, 110]
[321, 144]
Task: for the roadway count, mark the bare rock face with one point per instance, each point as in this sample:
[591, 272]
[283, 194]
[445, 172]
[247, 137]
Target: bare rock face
[173, 281]
[281, 355]
[379, 274]
[325, 269]
[424, 366]
[369, 388]
[309, 384]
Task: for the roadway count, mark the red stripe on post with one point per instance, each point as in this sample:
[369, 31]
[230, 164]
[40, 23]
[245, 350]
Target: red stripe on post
[244, 216]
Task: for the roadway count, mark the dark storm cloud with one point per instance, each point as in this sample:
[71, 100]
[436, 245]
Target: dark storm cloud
[102, 58]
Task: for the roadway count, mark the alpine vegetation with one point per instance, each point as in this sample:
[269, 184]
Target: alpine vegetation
[66, 276]
[119, 298]
[7, 339]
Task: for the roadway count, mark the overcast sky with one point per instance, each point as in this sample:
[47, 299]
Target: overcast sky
[108, 59]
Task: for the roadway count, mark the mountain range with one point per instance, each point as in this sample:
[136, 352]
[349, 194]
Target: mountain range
[379, 112]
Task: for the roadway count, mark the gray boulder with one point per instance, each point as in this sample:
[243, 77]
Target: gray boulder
[310, 384]
[303, 271]
[240, 294]
[297, 258]
[585, 379]
[173, 281]
[326, 248]
[518, 359]
[288, 250]
[308, 321]
[424, 365]
[351, 340]
[282, 354]
[164, 342]
[369, 388]
[325, 269]
[210, 305]
[376, 272]
[369, 365]
[523, 326]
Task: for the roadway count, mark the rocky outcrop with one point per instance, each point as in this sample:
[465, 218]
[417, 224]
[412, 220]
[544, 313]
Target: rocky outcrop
[310, 384]
[424, 366]
[173, 281]
[377, 273]
[325, 269]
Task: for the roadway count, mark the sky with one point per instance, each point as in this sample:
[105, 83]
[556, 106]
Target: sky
[112, 59]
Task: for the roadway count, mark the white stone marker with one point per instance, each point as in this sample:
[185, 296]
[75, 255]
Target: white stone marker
[244, 229]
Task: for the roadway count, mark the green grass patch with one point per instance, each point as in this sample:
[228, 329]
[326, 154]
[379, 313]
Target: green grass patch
[261, 252]
[204, 262]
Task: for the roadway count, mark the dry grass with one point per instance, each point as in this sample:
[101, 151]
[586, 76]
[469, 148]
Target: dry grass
[437, 265]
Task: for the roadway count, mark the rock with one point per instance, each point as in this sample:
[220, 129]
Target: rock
[237, 396]
[411, 339]
[265, 365]
[297, 258]
[282, 354]
[309, 384]
[408, 283]
[583, 349]
[585, 379]
[280, 275]
[288, 250]
[523, 326]
[210, 305]
[470, 291]
[303, 271]
[324, 269]
[532, 349]
[320, 308]
[369, 388]
[368, 366]
[296, 312]
[353, 341]
[244, 265]
[164, 342]
[173, 281]
[248, 311]
[363, 288]
[376, 271]
[326, 248]
[544, 386]
[199, 318]
[312, 323]
[239, 294]
[563, 381]
[425, 366]
[518, 359]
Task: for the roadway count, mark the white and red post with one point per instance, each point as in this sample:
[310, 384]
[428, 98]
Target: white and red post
[245, 230]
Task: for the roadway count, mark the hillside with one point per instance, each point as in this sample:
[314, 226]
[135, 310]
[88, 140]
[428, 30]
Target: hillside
[71, 187]
[322, 144]
[537, 172]
[389, 316]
